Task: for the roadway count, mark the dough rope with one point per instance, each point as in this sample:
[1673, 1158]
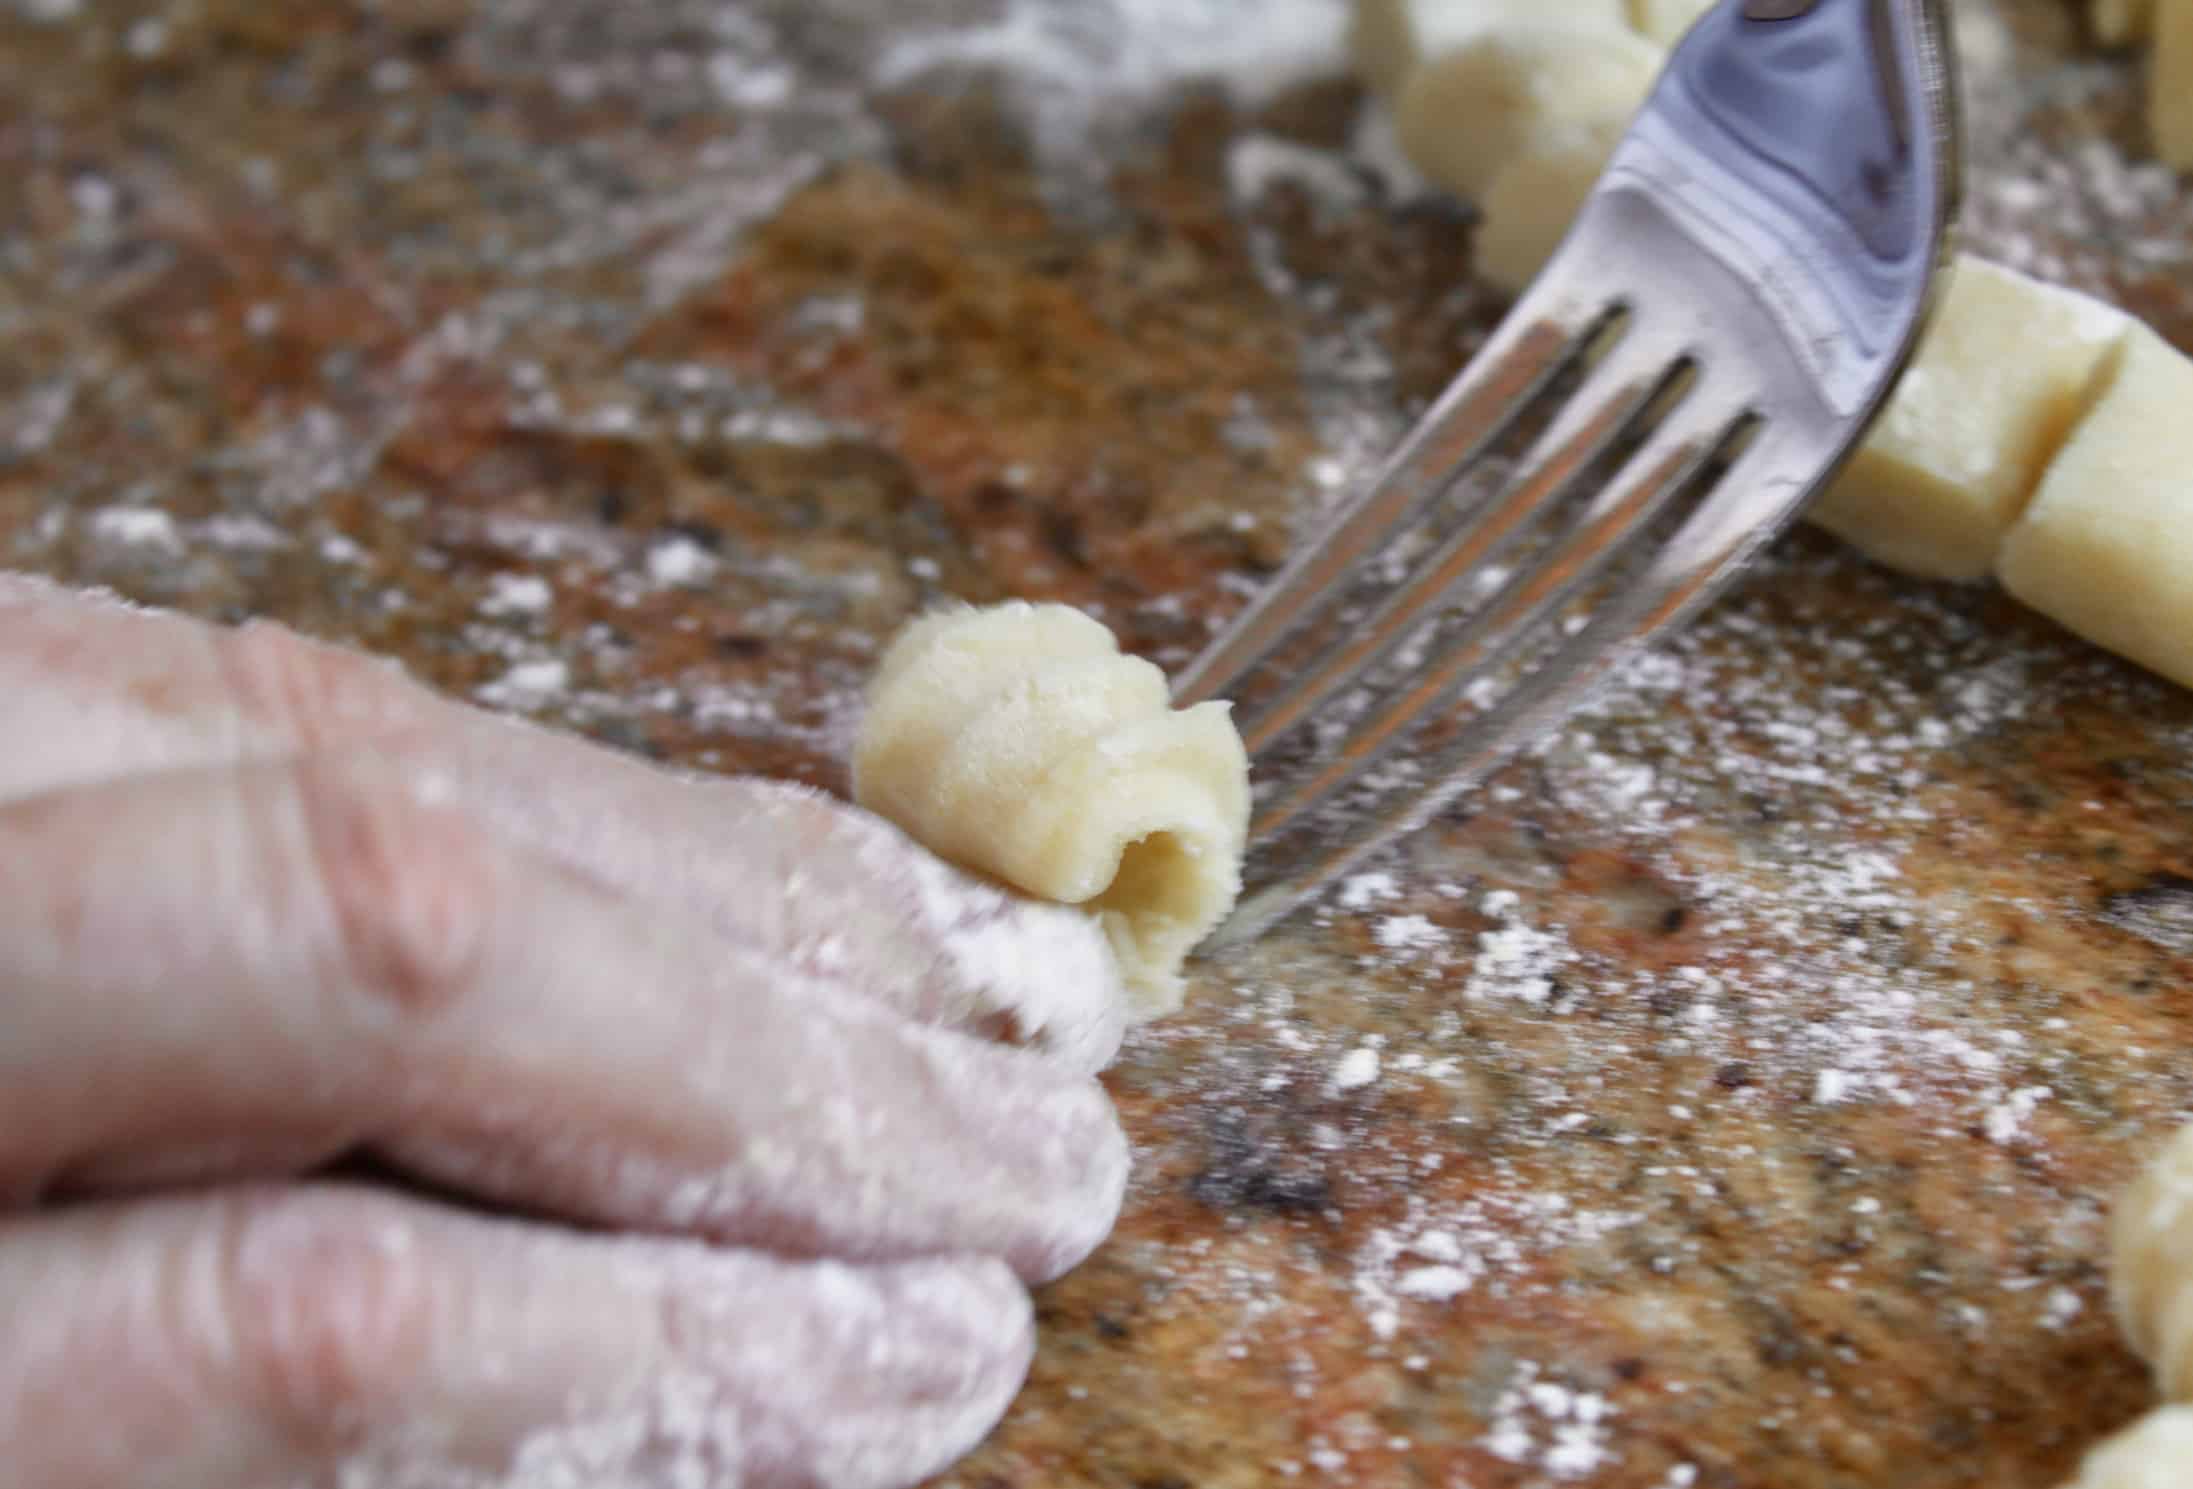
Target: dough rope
[1019, 742]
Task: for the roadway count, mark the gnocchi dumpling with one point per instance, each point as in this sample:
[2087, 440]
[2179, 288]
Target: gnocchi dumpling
[1392, 38]
[1520, 89]
[1529, 207]
[2106, 544]
[2151, 1272]
[2155, 1452]
[2006, 368]
[1019, 742]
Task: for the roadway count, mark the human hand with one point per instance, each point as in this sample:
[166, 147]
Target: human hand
[264, 904]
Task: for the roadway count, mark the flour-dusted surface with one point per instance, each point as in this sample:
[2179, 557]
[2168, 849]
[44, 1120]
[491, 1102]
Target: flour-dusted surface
[1732, 1099]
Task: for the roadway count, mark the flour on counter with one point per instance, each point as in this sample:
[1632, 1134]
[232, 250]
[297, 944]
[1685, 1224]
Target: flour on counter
[679, 561]
[516, 594]
[1542, 1425]
[1133, 51]
[527, 686]
[137, 527]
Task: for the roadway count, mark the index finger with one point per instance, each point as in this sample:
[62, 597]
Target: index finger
[207, 968]
[98, 690]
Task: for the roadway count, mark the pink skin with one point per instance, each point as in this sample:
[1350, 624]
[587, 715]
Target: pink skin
[264, 904]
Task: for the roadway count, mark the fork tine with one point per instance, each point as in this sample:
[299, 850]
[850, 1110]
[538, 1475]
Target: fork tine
[1653, 477]
[1668, 466]
[1531, 348]
[1619, 396]
[1797, 241]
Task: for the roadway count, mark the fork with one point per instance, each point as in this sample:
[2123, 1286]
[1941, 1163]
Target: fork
[1729, 311]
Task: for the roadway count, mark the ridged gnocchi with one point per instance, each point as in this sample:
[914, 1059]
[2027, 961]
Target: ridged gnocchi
[1019, 742]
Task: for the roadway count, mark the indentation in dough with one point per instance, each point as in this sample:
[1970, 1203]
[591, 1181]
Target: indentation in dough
[2107, 541]
[1018, 742]
[2006, 368]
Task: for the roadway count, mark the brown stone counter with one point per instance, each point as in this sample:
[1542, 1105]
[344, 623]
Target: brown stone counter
[1730, 1095]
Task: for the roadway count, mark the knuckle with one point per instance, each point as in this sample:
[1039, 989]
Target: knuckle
[311, 694]
[411, 889]
[330, 1311]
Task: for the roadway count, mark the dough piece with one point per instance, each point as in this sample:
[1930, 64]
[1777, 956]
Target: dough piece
[1019, 742]
[1390, 39]
[2120, 22]
[2151, 1267]
[1529, 207]
[2106, 546]
[2006, 368]
[2170, 84]
[1529, 88]
[1665, 21]
[2155, 1452]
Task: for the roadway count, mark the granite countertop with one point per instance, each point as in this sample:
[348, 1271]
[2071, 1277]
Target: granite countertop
[1731, 1095]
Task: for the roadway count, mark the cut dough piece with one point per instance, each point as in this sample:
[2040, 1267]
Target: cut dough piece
[2107, 544]
[2155, 1452]
[2151, 1266]
[1527, 89]
[2006, 368]
[2170, 84]
[1390, 39]
[1529, 207]
[1665, 21]
[1019, 742]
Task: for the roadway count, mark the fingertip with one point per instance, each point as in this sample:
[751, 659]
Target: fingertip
[1047, 969]
[1097, 1160]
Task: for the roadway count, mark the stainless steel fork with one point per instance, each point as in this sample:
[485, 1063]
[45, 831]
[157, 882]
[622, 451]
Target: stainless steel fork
[1730, 310]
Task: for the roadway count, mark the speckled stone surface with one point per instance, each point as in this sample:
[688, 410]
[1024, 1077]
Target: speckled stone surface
[1730, 1095]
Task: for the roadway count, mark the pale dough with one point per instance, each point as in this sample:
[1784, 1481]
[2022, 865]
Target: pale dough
[1390, 39]
[1019, 742]
[2151, 1266]
[2007, 366]
[1665, 21]
[1528, 88]
[2170, 85]
[2106, 546]
[1529, 207]
[2155, 1452]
